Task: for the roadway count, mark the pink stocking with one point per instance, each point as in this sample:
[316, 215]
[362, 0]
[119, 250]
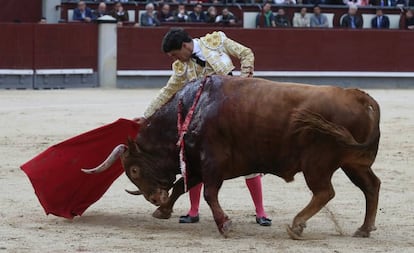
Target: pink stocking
[195, 199]
[255, 188]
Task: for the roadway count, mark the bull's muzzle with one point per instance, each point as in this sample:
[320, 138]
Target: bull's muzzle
[158, 198]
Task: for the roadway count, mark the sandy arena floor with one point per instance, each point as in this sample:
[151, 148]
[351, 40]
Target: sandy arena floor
[31, 120]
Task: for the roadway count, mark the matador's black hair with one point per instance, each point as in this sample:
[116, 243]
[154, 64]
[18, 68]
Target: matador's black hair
[174, 39]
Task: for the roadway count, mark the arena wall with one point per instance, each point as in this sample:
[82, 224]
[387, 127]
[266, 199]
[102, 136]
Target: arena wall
[284, 49]
[57, 56]
[65, 55]
[21, 11]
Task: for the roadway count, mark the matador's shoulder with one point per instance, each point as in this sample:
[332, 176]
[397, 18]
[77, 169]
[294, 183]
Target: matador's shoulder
[179, 68]
[213, 40]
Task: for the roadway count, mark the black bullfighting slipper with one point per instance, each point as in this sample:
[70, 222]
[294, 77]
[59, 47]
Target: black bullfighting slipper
[189, 219]
[263, 221]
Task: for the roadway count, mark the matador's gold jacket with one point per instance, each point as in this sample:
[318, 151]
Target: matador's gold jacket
[216, 49]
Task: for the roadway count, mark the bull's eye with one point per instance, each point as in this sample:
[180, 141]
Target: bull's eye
[134, 172]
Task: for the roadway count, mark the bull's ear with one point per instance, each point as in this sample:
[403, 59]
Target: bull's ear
[133, 147]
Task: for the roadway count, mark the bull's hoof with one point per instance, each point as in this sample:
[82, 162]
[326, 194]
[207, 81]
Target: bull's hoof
[361, 233]
[162, 213]
[295, 232]
[364, 231]
[295, 236]
[292, 233]
[225, 228]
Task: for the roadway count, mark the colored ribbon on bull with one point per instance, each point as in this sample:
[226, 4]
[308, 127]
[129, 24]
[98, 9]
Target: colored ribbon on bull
[182, 127]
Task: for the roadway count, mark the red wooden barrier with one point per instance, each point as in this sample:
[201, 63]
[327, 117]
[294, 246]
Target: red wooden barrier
[75, 46]
[328, 50]
[16, 46]
[66, 46]
[21, 10]
[140, 48]
[36, 46]
[284, 49]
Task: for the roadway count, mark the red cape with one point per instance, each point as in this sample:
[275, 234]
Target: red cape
[60, 185]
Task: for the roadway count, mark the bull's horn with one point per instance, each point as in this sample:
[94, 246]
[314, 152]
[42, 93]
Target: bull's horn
[137, 192]
[115, 154]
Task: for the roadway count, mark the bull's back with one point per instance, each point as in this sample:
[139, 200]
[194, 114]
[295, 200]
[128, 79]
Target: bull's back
[260, 111]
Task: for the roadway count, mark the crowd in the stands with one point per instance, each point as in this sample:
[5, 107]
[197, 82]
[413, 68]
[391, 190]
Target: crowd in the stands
[271, 15]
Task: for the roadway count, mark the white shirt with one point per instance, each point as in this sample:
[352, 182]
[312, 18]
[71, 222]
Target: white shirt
[197, 50]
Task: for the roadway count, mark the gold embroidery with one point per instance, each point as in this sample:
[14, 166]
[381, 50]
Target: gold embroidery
[179, 68]
[213, 40]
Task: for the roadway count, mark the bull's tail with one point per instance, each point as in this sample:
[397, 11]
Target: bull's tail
[305, 121]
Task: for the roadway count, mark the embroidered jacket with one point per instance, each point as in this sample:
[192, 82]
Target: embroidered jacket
[216, 49]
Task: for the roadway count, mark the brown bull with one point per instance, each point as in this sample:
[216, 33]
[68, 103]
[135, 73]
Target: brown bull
[243, 126]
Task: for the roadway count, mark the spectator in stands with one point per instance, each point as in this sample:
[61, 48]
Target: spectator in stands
[383, 2]
[226, 17]
[404, 3]
[119, 13]
[211, 14]
[198, 14]
[181, 14]
[82, 13]
[409, 20]
[281, 19]
[42, 21]
[265, 18]
[301, 20]
[166, 14]
[356, 2]
[319, 2]
[284, 1]
[318, 19]
[101, 11]
[352, 19]
[364, 3]
[149, 18]
[380, 21]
